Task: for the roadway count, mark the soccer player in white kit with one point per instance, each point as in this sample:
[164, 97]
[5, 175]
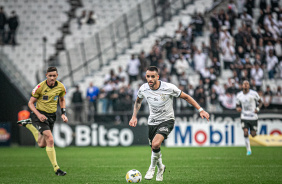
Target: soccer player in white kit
[248, 103]
[159, 96]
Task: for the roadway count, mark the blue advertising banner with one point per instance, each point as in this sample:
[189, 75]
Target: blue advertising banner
[5, 134]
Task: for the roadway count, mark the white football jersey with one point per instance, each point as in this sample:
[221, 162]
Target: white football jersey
[160, 101]
[248, 102]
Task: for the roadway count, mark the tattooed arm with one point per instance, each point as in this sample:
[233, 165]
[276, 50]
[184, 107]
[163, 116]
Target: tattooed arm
[137, 105]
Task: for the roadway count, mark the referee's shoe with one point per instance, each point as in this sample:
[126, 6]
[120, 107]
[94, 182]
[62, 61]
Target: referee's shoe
[60, 172]
[24, 122]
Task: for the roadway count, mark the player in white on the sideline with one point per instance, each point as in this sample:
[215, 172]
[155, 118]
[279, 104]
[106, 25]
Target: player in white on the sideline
[247, 101]
[159, 96]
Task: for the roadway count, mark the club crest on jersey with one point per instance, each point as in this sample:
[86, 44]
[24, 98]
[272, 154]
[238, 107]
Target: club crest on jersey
[163, 97]
[34, 90]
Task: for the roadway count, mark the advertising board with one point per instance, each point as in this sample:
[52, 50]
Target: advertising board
[220, 131]
[99, 135]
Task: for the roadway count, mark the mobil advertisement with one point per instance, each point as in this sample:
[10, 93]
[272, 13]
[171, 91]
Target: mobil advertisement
[206, 134]
[270, 128]
[217, 133]
[99, 135]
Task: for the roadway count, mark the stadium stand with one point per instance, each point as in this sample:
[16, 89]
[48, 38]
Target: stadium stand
[37, 19]
[167, 30]
[105, 13]
[199, 30]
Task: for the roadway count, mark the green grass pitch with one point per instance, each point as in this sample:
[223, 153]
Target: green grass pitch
[110, 165]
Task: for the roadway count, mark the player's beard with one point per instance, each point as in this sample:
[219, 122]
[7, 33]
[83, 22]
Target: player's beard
[245, 90]
[152, 84]
[51, 82]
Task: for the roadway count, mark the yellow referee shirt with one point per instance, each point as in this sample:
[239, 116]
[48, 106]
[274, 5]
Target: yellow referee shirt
[47, 97]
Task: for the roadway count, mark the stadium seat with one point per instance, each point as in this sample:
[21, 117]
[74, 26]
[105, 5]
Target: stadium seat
[36, 18]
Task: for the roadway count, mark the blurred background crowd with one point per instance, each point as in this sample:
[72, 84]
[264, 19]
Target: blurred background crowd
[236, 51]
[102, 50]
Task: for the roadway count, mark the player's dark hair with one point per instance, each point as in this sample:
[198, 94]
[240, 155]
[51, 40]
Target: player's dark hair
[153, 68]
[52, 69]
[245, 81]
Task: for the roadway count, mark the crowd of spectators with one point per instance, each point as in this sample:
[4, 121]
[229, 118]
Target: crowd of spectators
[249, 47]
[88, 19]
[8, 27]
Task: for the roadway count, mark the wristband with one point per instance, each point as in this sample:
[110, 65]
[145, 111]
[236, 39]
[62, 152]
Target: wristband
[257, 109]
[63, 110]
[201, 109]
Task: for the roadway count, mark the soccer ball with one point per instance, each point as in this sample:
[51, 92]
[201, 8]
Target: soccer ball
[133, 176]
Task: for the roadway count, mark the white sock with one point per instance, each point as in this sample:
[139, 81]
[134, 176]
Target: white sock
[248, 145]
[154, 159]
[160, 161]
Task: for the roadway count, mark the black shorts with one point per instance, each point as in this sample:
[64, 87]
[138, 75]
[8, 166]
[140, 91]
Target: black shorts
[249, 124]
[164, 129]
[46, 125]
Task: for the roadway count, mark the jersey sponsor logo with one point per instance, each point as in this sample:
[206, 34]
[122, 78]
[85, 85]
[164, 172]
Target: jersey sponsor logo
[155, 120]
[248, 115]
[34, 90]
[155, 99]
[45, 97]
[156, 110]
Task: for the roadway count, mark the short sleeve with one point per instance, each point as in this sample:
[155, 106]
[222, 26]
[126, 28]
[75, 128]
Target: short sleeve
[238, 100]
[36, 91]
[175, 92]
[64, 91]
[140, 94]
[257, 97]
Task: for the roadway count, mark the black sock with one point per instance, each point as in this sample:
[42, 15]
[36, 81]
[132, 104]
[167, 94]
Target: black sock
[156, 150]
